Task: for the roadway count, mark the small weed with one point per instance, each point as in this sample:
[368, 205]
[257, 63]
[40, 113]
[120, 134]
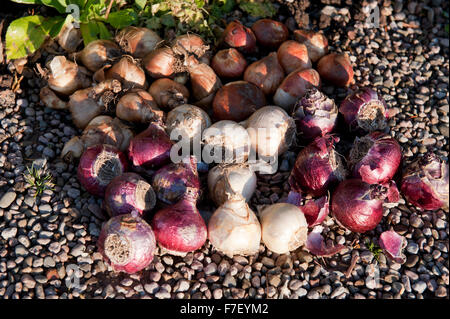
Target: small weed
[39, 179]
[374, 249]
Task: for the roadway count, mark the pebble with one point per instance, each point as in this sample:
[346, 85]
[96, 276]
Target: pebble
[7, 199]
[8, 233]
[419, 287]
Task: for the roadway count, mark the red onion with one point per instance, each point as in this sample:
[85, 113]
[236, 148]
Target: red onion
[98, 165]
[229, 63]
[316, 43]
[315, 114]
[425, 183]
[127, 243]
[293, 55]
[180, 228]
[173, 181]
[392, 245]
[315, 210]
[270, 33]
[318, 166]
[266, 73]
[375, 158]
[294, 86]
[336, 69]
[358, 206]
[150, 148]
[236, 101]
[127, 193]
[364, 110]
[239, 37]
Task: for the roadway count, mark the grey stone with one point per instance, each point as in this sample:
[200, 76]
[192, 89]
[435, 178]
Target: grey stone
[8, 233]
[7, 199]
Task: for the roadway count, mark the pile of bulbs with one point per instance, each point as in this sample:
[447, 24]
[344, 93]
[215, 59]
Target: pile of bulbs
[157, 89]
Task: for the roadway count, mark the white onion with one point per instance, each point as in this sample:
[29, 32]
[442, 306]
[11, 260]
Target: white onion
[226, 141]
[225, 181]
[234, 228]
[283, 227]
[271, 131]
[187, 120]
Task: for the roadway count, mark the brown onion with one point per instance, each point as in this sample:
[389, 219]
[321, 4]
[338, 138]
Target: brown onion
[138, 41]
[49, 98]
[336, 69]
[270, 33]
[238, 36]
[128, 72]
[236, 101]
[69, 38]
[98, 53]
[293, 56]
[169, 94]
[161, 63]
[316, 42]
[267, 73]
[191, 44]
[294, 86]
[66, 77]
[84, 108]
[204, 82]
[229, 63]
[102, 129]
[139, 107]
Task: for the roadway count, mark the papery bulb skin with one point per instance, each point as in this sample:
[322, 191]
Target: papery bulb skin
[229, 63]
[98, 166]
[270, 33]
[226, 142]
[236, 101]
[138, 106]
[234, 228]
[239, 37]
[358, 206]
[293, 56]
[128, 73]
[336, 69]
[150, 148]
[173, 181]
[187, 123]
[98, 53]
[191, 45]
[169, 94]
[66, 77]
[315, 114]
[375, 158]
[180, 228]
[271, 131]
[127, 193]
[127, 243]
[228, 180]
[204, 83]
[283, 227]
[267, 74]
[317, 167]
[294, 86]
[425, 183]
[364, 111]
[138, 41]
[316, 43]
[161, 63]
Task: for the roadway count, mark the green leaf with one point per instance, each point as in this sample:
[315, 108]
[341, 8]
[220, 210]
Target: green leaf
[140, 4]
[94, 30]
[25, 35]
[446, 28]
[154, 23]
[258, 9]
[123, 18]
[168, 20]
[59, 5]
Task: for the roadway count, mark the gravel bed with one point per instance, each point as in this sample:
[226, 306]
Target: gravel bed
[48, 243]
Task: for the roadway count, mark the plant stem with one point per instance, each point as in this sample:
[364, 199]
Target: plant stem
[109, 8]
